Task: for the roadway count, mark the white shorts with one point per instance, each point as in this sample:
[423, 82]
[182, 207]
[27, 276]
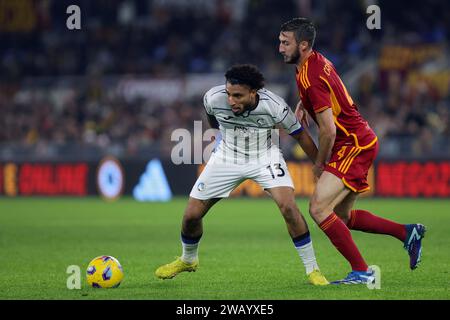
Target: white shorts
[219, 179]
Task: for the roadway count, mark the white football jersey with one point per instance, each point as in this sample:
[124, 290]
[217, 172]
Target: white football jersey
[251, 135]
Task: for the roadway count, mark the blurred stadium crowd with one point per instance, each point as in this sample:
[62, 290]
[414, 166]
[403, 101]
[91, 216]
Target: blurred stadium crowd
[75, 93]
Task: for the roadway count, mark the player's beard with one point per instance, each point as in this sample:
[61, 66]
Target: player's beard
[293, 59]
[248, 105]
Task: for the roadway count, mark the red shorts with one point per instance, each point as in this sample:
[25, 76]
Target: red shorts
[351, 164]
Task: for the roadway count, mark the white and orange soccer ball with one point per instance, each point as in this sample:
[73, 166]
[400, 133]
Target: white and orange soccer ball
[104, 272]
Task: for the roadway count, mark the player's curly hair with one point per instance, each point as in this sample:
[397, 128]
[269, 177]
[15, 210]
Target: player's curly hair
[303, 29]
[246, 74]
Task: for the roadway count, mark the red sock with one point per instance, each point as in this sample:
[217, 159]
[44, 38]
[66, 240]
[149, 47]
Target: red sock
[365, 221]
[341, 238]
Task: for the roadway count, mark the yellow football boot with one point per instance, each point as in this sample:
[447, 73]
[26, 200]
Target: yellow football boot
[168, 271]
[317, 278]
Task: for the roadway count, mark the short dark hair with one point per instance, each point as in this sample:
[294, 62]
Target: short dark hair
[303, 29]
[246, 74]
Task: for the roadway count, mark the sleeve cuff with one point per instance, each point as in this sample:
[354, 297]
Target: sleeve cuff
[321, 109]
[296, 131]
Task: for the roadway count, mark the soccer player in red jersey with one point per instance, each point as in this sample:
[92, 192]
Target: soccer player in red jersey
[347, 149]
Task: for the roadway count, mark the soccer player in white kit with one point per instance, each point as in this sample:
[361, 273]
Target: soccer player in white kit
[246, 115]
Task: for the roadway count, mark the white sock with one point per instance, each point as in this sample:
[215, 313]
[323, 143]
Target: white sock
[190, 249]
[305, 250]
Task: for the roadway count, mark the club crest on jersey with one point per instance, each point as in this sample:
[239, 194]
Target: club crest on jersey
[201, 186]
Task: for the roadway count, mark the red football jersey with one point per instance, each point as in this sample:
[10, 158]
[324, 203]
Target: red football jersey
[320, 88]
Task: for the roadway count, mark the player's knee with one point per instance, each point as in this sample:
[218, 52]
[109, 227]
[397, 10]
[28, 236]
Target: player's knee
[193, 212]
[289, 211]
[315, 209]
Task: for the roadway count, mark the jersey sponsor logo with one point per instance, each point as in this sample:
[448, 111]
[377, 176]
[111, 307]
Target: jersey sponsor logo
[244, 131]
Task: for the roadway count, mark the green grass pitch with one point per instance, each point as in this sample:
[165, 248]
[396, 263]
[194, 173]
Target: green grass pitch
[245, 252]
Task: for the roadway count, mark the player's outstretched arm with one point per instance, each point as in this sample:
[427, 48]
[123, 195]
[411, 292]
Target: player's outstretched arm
[307, 143]
[327, 135]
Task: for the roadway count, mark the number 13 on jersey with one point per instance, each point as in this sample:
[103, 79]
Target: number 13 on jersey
[279, 171]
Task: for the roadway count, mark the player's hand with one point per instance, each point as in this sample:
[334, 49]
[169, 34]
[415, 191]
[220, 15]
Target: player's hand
[301, 114]
[317, 170]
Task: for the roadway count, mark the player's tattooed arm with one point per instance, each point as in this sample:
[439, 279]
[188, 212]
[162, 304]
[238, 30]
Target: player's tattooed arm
[327, 135]
[212, 121]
